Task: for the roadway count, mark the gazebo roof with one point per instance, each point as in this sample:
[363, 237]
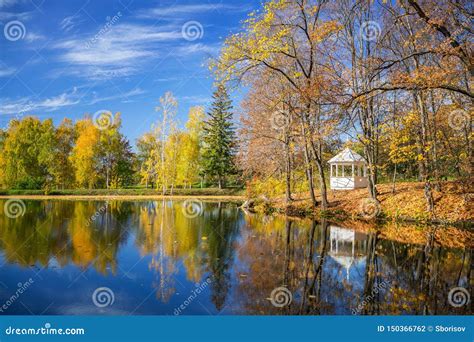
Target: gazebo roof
[347, 156]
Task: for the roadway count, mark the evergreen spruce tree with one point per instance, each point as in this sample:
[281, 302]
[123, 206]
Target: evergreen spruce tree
[219, 138]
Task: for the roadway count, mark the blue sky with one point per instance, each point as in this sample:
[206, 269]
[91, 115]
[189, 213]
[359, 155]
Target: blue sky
[67, 58]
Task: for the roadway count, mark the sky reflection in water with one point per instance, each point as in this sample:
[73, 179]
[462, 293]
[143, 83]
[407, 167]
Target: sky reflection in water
[157, 260]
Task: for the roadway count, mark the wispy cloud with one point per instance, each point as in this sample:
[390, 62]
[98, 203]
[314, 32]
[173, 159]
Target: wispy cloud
[198, 48]
[8, 3]
[195, 99]
[31, 37]
[70, 22]
[6, 71]
[31, 105]
[28, 105]
[22, 16]
[116, 53]
[125, 97]
[180, 10]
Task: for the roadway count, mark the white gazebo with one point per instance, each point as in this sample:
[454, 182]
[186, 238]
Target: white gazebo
[348, 171]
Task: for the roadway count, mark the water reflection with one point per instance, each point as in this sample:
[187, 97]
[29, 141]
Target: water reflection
[348, 248]
[153, 257]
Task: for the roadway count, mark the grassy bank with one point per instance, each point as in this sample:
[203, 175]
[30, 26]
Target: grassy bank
[453, 204]
[196, 192]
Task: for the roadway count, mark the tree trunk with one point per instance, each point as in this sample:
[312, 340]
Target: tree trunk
[393, 179]
[424, 153]
[309, 169]
[107, 178]
[322, 178]
[371, 174]
[288, 171]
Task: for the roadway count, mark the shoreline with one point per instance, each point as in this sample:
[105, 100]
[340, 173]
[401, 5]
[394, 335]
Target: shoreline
[405, 203]
[409, 230]
[123, 197]
[339, 215]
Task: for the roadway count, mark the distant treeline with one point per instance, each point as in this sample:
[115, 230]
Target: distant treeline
[92, 153]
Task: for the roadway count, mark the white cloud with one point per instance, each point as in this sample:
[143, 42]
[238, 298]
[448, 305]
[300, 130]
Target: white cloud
[6, 71]
[58, 101]
[122, 45]
[31, 37]
[28, 105]
[7, 3]
[196, 48]
[22, 16]
[195, 99]
[124, 96]
[117, 52]
[180, 10]
[70, 22]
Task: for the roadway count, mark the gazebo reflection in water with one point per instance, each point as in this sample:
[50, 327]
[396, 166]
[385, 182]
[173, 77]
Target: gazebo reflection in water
[348, 247]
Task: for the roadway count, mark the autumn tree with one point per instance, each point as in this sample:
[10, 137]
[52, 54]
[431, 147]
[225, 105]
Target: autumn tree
[85, 154]
[189, 165]
[163, 129]
[115, 155]
[62, 169]
[421, 60]
[147, 158]
[290, 39]
[26, 154]
[268, 133]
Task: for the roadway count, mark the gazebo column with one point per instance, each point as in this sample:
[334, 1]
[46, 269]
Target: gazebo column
[353, 174]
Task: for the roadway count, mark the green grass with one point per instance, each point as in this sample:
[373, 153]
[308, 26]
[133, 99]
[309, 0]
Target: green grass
[127, 192]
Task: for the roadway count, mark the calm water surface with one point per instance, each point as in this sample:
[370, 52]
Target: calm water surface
[157, 257]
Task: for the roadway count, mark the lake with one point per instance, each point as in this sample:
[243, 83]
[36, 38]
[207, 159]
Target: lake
[170, 257]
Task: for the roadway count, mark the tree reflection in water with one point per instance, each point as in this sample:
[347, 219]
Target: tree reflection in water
[329, 268]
